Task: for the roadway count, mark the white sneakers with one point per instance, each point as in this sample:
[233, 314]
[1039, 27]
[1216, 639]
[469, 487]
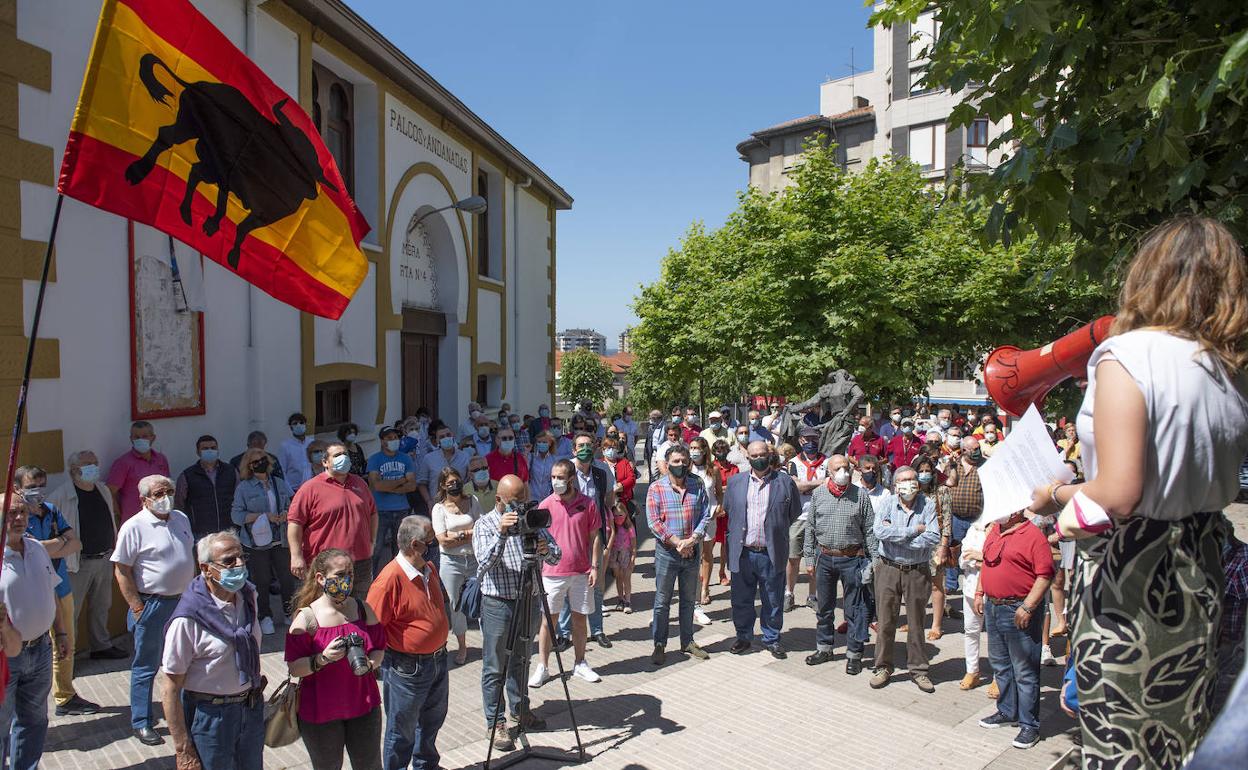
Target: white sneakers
[700, 617]
[266, 626]
[583, 670]
[1046, 656]
[539, 676]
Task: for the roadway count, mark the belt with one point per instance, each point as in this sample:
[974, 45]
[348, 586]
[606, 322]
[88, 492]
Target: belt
[853, 550]
[1006, 599]
[904, 567]
[419, 656]
[36, 641]
[756, 548]
[100, 555]
[249, 696]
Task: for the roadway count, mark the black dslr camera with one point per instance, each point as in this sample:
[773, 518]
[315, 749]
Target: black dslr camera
[356, 657]
[530, 519]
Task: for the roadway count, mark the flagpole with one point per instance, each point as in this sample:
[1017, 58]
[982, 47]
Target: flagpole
[30, 360]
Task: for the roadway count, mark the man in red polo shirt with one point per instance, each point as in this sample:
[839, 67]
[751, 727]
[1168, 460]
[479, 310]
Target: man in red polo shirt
[334, 510]
[505, 460]
[1017, 570]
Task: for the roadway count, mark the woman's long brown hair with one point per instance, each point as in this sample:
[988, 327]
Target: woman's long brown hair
[1190, 277]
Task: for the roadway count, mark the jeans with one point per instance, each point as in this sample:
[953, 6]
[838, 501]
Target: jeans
[227, 736]
[149, 642]
[960, 527]
[264, 564]
[848, 571]
[93, 588]
[385, 548]
[671, 569]
[360, 737]
[1015, 658]
[24, 713]
[757, 576]
[454, 570]
[595, 617]
[497, 615]
[414, 696]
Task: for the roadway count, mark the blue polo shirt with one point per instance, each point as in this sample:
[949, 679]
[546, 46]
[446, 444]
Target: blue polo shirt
[391, 468]
[51, 524]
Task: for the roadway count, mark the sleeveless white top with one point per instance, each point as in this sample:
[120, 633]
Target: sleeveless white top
[1197, 422]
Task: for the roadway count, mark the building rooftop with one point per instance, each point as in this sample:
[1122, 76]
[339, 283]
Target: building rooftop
[802, 124]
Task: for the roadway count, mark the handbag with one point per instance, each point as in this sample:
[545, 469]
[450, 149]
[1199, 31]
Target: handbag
[469, 601]
[281, 715]
[953, 552]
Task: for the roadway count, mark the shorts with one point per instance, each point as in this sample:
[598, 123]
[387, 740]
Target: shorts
[575, 588]
[618, 559]
[1067, 550]
[797, 538]
[712, 528]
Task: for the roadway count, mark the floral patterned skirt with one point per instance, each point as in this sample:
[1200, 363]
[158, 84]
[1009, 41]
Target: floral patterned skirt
[1145, 619]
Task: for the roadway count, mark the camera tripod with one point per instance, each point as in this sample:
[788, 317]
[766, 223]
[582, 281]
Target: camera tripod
[519, 638]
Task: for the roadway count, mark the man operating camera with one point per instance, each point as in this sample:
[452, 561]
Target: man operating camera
[497, 542]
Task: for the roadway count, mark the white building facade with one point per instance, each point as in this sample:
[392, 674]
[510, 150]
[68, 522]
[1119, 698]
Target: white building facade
[581, 339]
[454, 308]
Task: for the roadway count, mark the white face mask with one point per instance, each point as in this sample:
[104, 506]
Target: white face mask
[908, 489]
[841, 477]
[560, 486]
[162, 506]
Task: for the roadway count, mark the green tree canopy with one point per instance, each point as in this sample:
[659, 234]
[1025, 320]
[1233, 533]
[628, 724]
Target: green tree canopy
[1120, 114]
[584, 377]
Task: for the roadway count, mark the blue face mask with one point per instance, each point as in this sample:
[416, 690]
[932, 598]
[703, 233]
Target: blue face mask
[141, 445]
[299, 429]
[543, 412]
[543, 447]
[446, 442]
[89, 473]
[483, 431]
[352, 437]
[341, 463]
[209, 455]
[809, 448]
[392, 445]
[507, 444]
[925, 477]
[232, 578]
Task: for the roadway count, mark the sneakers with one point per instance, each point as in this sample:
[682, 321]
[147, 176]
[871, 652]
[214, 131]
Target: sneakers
[502, 738]
[819, 656]
[1027, 737]
[970, 681]
[880, 678]
[77, 706]
[788, 602]
[993, 690]
[995, 720]
[658, 656]
[628, 607]
[812, 602]
[266, 626]
[583, 670]
[562, 644]
[1046, 656]
[923, 683]
[694, 651]
[700, 617]
[539, 676]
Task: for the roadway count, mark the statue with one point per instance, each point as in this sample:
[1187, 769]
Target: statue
[837, 399]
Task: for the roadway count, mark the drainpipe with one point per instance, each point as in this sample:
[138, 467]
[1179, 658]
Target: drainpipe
[515, 285]
[254, 412]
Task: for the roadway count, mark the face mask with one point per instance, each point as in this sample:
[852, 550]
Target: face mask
[484, 431]
[455, 488]
[475, 413]
[557, 430]
[141, 445]
[89, 473]
[162, 506]
[676, 419]
[424, 421]
[341, 463]
[991, 438]
[610, 454]
[908, 489]
[446, 442]
[352, 437]
[868, 478]
[560, 486]
[678, 471]
[481, 477]
[756, 422]
[543, 447]
[232, 578]
[841, 478]
[260, 466]
[543, 412]
[953, 441]
[696, 455]
[896, 418]
[338, 588]
[515, 425]
[716, 424]
[944, 424]
[809, 448]
[743, 438]
[209, 455]
[925, 478]
[722, 455]
[760, 463]
[585, 453]
[299, 429]
[470, 449]
[318, 458]
[976, 457]
[507, 444]
[414, 435]
[34, 495]
[908, 430]
[392, 445]
[619, 519]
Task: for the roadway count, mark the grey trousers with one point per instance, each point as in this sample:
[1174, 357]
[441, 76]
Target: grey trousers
[893, 589]
[92, 586]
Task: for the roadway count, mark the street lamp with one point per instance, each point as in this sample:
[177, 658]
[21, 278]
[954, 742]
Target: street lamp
[474, 204]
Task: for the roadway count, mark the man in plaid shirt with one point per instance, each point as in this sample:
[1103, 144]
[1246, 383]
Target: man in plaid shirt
[966, 499]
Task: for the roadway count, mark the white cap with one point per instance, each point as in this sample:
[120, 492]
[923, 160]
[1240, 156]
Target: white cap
[713, 415]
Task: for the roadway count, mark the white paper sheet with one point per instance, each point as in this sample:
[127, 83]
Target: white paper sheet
[1026, 459]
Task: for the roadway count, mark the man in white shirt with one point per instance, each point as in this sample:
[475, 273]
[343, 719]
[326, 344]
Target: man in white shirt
[737, 451]
[628, 431]
[433, 463]
[155, 562]
[293, 453]
[28, 591]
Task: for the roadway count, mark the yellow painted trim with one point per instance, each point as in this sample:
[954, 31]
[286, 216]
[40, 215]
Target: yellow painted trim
[550, 215]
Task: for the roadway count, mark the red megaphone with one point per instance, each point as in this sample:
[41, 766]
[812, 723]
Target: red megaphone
[1018, 378]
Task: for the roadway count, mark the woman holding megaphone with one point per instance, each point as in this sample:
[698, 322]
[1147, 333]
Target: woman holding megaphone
[1163, 428]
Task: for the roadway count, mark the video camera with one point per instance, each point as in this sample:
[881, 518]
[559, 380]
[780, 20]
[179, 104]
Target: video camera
[530, 519]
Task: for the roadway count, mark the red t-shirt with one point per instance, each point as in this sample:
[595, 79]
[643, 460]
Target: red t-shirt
[902, 450]
[335, 514]
[572, 526]
[1013, 561]
[859, 446]
[502, 465]
[626, 477]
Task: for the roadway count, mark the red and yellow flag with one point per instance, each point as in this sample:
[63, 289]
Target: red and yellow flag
[177, 129]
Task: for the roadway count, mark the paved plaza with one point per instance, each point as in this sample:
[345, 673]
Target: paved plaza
[749, 711]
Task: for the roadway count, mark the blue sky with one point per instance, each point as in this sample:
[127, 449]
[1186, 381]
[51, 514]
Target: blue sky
[635, 108]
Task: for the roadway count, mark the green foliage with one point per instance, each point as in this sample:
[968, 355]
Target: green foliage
[1121, 113]
[875, 272]
[584, 376]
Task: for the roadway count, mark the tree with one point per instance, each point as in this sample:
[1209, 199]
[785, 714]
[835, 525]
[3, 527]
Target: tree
[1121, 114]
[584, 377]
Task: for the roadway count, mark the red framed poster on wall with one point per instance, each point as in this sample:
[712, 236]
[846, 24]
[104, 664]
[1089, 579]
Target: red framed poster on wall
[166, 336]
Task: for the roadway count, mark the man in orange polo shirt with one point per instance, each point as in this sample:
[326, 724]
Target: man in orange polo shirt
[407, 597]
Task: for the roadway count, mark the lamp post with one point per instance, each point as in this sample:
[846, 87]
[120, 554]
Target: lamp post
[474, 204]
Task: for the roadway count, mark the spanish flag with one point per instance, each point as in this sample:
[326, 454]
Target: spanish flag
[177, 129]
